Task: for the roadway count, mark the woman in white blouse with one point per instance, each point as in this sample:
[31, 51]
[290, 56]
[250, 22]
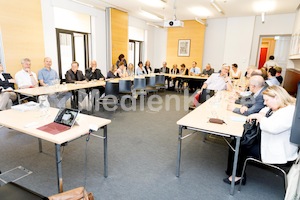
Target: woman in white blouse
[275, 146]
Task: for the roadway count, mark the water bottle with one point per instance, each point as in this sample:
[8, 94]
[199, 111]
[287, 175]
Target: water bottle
[44, 104]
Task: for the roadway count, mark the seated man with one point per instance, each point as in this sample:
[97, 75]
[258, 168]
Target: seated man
[26, 78]
[7, 96]
[217, 81]
[251, 104]
[208, 70]
[272, 80]
[194, 71]
[46, 77]
[74, 75]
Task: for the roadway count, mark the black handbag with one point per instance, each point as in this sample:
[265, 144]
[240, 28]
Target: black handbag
[251, 134]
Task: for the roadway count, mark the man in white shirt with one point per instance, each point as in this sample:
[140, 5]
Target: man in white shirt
[194, 71]
[26, 78]
[270, 63]
[7, 96]
[216, 82]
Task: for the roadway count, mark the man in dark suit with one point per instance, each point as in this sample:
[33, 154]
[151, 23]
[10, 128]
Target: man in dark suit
[7, 96]
[254, 103]
[165, 70]
[93, 73]
[74, 75]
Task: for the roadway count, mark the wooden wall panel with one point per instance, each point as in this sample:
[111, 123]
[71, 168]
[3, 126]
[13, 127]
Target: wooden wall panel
[291, 79]
[119, 34]
[22, 33]
[195, 32]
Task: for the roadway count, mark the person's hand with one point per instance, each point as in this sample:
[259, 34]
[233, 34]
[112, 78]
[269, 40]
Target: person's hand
[256, 116]
[11, 81]
[243, 109]
[230, 107]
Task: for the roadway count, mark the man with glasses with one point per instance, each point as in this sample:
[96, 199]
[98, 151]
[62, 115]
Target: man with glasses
[255, 102]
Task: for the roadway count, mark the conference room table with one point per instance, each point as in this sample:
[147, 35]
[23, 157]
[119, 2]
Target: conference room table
[46, 90]
[28, 121]
[198, 120]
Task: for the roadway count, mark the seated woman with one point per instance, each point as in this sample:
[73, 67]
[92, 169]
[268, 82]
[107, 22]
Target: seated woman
[235, 73]
[140, 69]
[121, 71]
[111, 72]
[130, 69]
[275, 146]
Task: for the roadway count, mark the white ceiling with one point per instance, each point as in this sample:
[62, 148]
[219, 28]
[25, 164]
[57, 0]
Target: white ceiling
[231, 8]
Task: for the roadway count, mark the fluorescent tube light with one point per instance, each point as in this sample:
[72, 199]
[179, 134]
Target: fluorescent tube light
[200, 21]
[150, 15]
[85, 4]
[154, 25]
[216, 6]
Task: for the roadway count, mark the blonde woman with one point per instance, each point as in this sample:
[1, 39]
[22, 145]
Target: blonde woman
[130, 69]
[275, 123]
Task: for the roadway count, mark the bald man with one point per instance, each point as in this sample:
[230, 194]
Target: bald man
[251, 104]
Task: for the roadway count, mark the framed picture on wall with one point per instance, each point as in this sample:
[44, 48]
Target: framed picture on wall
[184, 47]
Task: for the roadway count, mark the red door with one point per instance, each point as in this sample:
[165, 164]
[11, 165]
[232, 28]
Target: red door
[262, 57]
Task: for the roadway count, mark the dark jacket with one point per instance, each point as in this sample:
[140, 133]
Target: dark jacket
[254, 104]
[147, 70]
[167, 70]
[71, 77]
[172, 71]
[5, 84]
[93, 75]
[110, 74]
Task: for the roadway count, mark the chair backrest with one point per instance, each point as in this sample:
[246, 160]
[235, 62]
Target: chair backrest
[160, 79]
[139, 83]
[112, 88]
[124, 86]
[151, 81]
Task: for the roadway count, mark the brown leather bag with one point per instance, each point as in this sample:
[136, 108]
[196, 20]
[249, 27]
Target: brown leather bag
[216, 121]
[75, 194]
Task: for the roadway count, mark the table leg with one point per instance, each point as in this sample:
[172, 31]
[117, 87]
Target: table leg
[179, 151]
[236, 154]
[40, 145]
[59, 168]
[105, 150]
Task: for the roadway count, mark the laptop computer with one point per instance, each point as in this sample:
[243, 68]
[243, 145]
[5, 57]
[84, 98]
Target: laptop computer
[63, 121]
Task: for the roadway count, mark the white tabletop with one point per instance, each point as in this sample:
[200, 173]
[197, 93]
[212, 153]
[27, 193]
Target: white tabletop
[59, 88]
[212, 108]
[187, 76]
[28, 122]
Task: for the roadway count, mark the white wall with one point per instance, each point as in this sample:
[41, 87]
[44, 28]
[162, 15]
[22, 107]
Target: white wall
[97, 28]
[155, 41]
[214, 42]
[237, 39]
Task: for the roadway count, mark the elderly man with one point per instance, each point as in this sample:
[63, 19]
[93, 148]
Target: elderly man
[47, 76]
[251, 104]
[217, 81]
[7, 96]
[93, 73]
[74, 75]
[208, 70]
[26, 78]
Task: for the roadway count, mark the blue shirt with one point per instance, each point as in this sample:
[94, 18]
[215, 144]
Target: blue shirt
[195, 70]
[47, 75]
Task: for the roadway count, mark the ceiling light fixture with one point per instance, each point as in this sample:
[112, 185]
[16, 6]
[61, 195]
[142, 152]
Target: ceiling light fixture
[150, 15]
[82, 3]
[154, 25]
[155, 3]
[216, 6]
[200, 21]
